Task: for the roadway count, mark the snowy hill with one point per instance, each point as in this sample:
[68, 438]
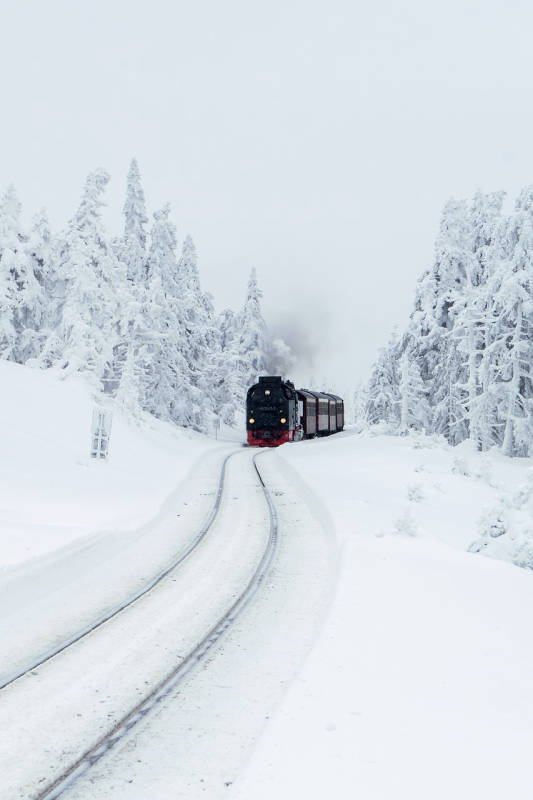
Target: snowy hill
[52, 492]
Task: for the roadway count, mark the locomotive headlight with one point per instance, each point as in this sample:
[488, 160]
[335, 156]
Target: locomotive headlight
[251, 420]
[267, 391]
[283, 420]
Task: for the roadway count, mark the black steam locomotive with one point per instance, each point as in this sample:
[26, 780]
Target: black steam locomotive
[276, 413]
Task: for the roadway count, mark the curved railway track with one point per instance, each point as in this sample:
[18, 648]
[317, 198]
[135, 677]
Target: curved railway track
[106, 743]
[113, 612]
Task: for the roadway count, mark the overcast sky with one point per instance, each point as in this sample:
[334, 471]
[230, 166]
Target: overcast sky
[316, 141]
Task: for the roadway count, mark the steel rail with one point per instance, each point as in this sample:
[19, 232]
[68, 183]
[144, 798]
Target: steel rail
[92, 626]
[107, 742]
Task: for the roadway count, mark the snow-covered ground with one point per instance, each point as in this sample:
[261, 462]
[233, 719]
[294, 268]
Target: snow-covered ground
[51, 492]
[386, 656]
[421, 682]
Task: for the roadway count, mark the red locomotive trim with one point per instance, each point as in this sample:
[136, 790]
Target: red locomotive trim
[272, 438]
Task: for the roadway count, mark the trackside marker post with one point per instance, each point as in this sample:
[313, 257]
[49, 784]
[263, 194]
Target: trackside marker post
[101, 432]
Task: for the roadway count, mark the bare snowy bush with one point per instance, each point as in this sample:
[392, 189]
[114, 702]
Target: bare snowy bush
[460, 467]
[415, 493]
[406, 524]
[506, 531]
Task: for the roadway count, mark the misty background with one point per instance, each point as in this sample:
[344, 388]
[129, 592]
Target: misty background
[317, 142]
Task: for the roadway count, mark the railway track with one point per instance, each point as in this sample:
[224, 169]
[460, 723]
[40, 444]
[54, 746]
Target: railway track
[117, 609]
[62, 783]
[85, 746]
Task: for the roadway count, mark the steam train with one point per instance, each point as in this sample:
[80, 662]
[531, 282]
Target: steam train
[276, 413]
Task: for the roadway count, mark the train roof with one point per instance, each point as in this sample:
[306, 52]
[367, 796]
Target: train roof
[306, 393]
[320, 395]
[334, 396]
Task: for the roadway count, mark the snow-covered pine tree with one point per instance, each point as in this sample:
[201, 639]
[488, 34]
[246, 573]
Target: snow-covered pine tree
[11, 264]
[87, 330]
[252, 337]
[514, 306]
[438, 303]
[358, 404]
[246, 352]
[137, 342]
[227, 388]
[475, 323]
[42, 311]
[227, 325]
[23, 315]
[449, 417]
[202, 337]
[414, 409]
[168, 389]
[133, 245]
[129, 367]
[382, 393]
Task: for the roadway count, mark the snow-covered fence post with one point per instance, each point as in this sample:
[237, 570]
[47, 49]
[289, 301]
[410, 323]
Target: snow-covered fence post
[101, 432]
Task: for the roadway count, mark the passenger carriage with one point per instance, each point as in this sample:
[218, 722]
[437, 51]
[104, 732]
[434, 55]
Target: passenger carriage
[339, 411]
[307, 411]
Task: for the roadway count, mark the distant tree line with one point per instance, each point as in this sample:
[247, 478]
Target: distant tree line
[128, 313]
[463, 366]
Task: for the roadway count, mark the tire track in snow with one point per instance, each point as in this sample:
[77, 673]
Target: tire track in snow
[104, 745]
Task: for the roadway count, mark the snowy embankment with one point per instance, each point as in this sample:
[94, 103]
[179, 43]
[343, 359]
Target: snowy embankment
[52, 493]
[420, 684]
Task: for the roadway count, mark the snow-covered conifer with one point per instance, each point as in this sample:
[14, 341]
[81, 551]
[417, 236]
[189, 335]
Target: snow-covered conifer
[449, 397]
[86, 334]
[514, 306]
[199, 317]
[24, 313]
[252, 339]
[128, 367]
[227, 325]
[40, 299]
[169, 391]
[227, 387]
[133, 246]
[414, 411]
[11, 266]
[382, 394]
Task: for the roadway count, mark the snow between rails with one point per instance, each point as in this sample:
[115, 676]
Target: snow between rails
[164, 688]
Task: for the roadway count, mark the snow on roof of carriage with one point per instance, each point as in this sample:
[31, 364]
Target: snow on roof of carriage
[52, 492]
